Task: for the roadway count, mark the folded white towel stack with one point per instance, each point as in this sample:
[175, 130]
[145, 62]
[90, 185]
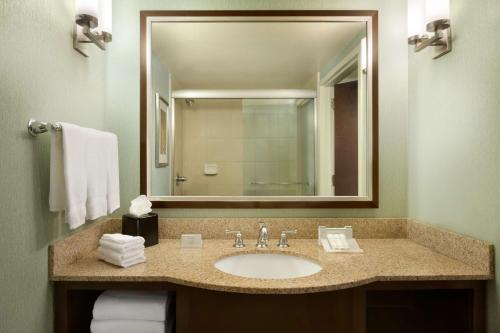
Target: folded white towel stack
[133, 311]
[121, 250]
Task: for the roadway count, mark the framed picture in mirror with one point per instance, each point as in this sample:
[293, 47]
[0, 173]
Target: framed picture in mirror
[162, 133]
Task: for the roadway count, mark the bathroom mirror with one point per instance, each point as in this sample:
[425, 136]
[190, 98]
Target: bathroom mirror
[264, 108]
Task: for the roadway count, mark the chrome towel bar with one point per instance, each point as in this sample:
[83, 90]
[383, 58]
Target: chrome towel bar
[36, 127]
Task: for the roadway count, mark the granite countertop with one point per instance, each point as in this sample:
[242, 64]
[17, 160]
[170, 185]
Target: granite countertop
[382, 260]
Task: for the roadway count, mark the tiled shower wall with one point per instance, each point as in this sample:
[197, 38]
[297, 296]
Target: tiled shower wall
[260, 147]
[273, 148]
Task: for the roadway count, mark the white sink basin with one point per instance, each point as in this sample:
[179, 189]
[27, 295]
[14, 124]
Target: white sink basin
[267, 266]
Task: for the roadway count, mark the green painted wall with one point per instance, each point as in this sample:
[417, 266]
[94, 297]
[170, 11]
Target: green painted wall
[454, 132]
[41, 76]
[123, 102]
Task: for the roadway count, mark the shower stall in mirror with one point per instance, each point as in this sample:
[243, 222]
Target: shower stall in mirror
[244, 147]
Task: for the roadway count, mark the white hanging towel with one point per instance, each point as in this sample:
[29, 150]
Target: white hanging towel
[84, 176]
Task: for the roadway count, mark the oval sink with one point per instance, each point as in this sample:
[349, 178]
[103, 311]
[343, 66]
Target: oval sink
[267, 266]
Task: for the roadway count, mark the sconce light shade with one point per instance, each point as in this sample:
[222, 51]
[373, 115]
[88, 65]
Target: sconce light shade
[93, 24]
[416, 19]
[429, 25]
[437, 10]
[106, 16]
[87, 7]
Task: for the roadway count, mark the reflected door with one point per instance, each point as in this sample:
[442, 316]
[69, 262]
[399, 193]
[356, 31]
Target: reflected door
[346, 138]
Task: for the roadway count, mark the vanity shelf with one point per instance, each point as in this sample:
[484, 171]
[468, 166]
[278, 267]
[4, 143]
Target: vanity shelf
[74, 302]
[406, 307]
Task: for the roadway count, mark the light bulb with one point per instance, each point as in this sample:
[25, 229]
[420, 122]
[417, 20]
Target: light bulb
[416, 23]
[437, 10]
[106, 16]
[87, 7]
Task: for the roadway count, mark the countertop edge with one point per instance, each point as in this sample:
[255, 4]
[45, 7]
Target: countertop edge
[252, 290]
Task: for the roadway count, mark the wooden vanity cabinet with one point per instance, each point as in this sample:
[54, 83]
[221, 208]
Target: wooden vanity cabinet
[385, 307]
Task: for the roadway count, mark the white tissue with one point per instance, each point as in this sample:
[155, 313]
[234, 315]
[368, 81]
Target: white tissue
[140, 206]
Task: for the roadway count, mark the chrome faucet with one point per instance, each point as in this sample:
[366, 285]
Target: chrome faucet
[263, 236]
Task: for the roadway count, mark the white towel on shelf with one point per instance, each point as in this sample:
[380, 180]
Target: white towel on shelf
[127, 326]
[132, 305]
[84, 173]
[121, 256]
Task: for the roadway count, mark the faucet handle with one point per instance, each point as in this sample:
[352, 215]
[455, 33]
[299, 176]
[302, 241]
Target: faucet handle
[283, 242]
[238, 238]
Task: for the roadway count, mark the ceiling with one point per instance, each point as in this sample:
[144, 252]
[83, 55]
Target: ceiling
[249, 55]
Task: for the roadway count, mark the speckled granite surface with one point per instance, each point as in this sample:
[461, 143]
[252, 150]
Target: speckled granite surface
[395, 250]
[383, 260]
[77, 245]
[472, 251]
[213, 228]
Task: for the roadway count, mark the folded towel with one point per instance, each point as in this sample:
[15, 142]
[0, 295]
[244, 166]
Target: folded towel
[123, 239]
[124, 263]
[122, 249]
[127, 326]
[121, 256]
[132, 305]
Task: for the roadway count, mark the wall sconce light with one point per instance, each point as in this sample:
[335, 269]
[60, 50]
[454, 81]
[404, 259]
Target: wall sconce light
[93, 24]
[429, 25]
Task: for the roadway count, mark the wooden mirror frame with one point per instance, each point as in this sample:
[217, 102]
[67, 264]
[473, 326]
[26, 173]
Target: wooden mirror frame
[373, 203]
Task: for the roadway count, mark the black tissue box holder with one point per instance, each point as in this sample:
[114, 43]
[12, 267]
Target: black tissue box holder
[145, 226]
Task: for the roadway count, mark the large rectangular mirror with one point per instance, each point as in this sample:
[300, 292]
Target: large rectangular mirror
[259, 109]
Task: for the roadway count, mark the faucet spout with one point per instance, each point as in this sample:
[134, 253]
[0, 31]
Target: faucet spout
[262, 240]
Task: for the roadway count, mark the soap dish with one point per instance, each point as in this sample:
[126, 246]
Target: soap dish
[191, 241]
[352, 245]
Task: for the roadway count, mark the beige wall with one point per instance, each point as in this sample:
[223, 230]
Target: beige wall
[212, 132]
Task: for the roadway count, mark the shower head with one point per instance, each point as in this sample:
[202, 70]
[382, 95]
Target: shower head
[189, 102]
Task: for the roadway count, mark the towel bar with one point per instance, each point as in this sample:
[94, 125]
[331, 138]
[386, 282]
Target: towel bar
[36, 127]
